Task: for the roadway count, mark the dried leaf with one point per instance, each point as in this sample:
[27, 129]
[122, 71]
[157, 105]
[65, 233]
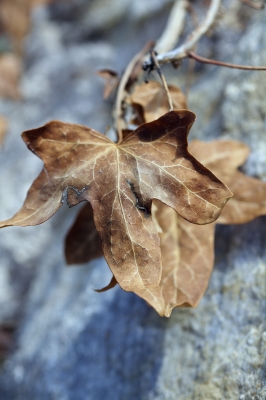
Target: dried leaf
[223, 158]
[83, 242]
[120, 181]
[15, 20]
[10, 72]
[187, 257]
[3, 129]
[111, 81]
[187, 250]
[152, 98]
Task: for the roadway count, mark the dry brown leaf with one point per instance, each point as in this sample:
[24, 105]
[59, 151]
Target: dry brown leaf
[10, 72]
[223, 158]
[120, 181]
[187, 252]
[187, 257]
[111, 81]
[15, 20]
[153, 100]
[83, 242]
[3, 129]
[187, 249]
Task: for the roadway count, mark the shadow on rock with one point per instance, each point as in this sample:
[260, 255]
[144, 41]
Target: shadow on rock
[117, 355]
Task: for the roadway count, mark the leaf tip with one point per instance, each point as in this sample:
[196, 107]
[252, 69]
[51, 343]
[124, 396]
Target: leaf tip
[112, 284]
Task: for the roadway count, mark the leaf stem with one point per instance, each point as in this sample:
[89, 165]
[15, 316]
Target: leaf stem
[155, 62]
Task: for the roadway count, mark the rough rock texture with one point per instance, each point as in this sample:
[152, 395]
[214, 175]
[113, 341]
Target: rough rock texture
[73, 343]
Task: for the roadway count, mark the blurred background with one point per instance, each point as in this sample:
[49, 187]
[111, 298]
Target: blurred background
[58, 338]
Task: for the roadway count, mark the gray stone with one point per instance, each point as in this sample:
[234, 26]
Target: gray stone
[76, 344]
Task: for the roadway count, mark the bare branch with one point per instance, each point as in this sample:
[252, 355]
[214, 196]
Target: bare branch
[122, 85]
[204, 60]
[181, 51]
[174, 27]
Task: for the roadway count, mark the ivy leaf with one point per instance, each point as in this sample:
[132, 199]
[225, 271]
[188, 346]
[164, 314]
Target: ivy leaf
[187, 257]
[187, 250]
[223, 158]
[111, 81]
[83, 242]
[120, 181]
[153, 101]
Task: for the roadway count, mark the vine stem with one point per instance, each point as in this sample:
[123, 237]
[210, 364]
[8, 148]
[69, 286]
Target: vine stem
[174, 27]
[182, 51]
[122, 86]
[204, 60]
[166, 42]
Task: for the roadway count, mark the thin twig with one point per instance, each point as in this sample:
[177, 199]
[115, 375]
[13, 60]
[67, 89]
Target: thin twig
[181, 51]
[121, 89]
[204, 60]
[256, 6]
[191, 63]
[194, 15]
[155, 62]
[174, 27]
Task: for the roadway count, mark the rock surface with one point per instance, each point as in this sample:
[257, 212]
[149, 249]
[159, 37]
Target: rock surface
[76, 344]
